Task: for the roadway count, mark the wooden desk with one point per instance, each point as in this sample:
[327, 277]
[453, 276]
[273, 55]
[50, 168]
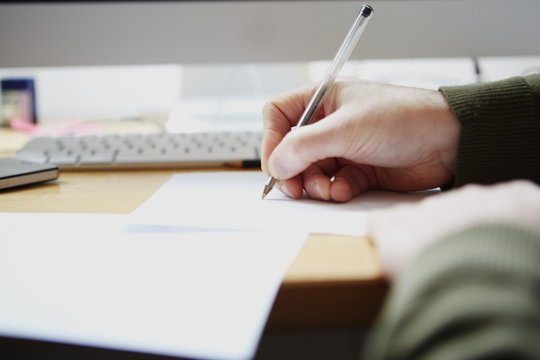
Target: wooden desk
[335, 281]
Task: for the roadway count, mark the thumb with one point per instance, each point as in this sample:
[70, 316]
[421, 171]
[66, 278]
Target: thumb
[306, 145]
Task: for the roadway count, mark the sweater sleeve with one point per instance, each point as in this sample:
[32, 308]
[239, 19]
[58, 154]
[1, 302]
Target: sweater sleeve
[472, 295]
[499, 130]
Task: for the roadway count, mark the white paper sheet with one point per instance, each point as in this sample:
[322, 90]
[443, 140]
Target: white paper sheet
[77, 278]
[232, 200]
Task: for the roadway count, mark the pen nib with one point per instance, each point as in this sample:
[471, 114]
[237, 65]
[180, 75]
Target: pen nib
[266, 191]
[268, 186]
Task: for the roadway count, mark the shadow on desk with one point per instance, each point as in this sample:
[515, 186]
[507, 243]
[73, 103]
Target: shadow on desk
[335, 344]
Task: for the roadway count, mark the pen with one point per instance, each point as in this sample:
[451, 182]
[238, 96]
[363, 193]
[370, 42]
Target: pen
[341, 57]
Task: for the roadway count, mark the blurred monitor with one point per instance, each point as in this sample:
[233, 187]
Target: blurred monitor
[73, 33]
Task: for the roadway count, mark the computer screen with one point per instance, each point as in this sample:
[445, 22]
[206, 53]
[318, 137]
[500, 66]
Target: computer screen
[72, 33]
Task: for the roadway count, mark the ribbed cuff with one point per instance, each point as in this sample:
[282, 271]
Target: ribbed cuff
[499, 131]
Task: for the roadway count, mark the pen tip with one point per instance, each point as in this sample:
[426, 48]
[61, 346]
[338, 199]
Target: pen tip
[266, 191]
[268, 187]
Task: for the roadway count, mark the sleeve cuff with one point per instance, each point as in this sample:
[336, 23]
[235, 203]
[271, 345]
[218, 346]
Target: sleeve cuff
[499, 131]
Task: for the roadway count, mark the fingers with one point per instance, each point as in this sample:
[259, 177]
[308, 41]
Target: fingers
[328, 180]
[350, 181]
[307, 145]
[293, 187]
[331, 180]
[279, 116]
[271, 139]
[316, 182]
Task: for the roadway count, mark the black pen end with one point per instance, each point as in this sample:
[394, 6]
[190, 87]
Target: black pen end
[366, 11]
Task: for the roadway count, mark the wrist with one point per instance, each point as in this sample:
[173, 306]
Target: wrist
[446, 131]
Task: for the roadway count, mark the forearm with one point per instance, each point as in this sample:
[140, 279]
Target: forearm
[499, 130]
[472, 294]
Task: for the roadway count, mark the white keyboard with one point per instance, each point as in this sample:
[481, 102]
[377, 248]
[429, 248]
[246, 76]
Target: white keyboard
[165, 150]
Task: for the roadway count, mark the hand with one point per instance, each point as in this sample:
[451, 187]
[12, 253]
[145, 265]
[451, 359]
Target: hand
[366, 136]
[402, 232]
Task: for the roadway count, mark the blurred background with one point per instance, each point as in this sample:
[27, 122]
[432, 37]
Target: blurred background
[211, 65]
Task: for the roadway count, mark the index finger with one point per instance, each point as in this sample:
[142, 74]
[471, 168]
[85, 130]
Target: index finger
[279, 115]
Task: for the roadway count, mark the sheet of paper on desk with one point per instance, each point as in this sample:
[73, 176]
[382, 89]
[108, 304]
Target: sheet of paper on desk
[232, 200]
[76, 278]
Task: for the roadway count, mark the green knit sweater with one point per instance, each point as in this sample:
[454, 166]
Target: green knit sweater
[475, 294]
[500, 130]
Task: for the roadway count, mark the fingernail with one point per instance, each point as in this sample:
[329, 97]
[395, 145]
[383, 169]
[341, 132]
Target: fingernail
[283, 188]
[319, 191]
